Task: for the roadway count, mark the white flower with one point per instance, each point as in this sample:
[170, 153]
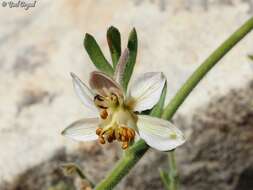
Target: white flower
[118, 118]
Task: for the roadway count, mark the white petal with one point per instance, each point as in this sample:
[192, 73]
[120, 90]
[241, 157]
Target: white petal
[82, 130]
[104, 84]
[120, 69]
[146, 90]
[158, 133]
[84, 93]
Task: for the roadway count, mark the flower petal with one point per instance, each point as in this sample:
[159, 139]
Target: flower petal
[146, 90]
[158, 133]
[120, 69]
[84, 93]
[104, 84]
[82, 130]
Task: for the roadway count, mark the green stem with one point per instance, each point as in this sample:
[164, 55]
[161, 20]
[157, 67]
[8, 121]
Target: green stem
[131, 157]
[137, 150]
[173, 173]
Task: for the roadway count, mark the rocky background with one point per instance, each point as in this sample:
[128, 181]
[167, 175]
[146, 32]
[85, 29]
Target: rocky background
[41, 45]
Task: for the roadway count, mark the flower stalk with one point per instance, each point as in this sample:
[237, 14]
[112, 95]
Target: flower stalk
[173, 173]
[135, 152]
[170, 178]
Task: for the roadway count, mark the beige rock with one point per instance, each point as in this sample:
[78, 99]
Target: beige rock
[40, 46]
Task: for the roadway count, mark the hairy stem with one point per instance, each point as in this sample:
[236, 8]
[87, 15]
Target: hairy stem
[134, 154]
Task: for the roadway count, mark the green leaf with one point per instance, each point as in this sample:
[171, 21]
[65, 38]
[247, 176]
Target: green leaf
[114, 43]
[250, 57]
[132, 46]
[158, 108]
[96, 55]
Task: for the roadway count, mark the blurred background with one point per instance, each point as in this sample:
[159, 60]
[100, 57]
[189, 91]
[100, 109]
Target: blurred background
[40, 46]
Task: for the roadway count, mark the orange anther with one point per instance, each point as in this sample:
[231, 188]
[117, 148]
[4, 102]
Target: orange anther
[110, 138]
[101, 140]
[98, 131]
[123, 138]
[124, 145]
[124, 131]
[129, 134]
[103, 114]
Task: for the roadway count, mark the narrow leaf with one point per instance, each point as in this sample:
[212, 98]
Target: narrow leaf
[158, 108]
[132, 46]
[114, 43]
[96, 55]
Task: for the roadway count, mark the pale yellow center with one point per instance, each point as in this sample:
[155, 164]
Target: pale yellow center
[118, 121]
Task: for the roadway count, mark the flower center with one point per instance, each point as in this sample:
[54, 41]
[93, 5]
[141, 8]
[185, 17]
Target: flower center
[118, 122]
